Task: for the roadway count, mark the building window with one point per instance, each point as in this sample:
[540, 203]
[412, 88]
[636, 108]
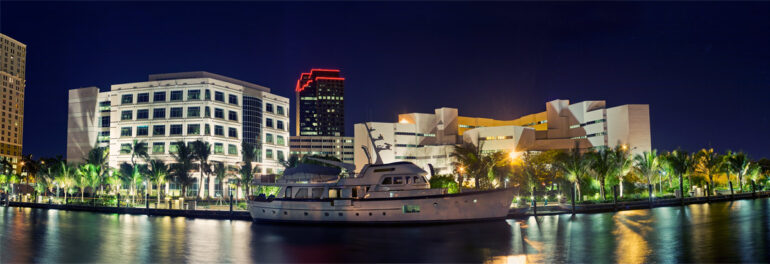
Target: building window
[232, 132]
[232, 116]
[208, 94]
[193, 129]
[268, 138]
[176, 130]
[142, 131]
[219, 96]
[176, 112]
[207, 129]
[159, 97]
[268, 122]
[193, 94]
[125, 148]
[143, 98]
[105, 121]
[127, 99]
[219, 113]
[232, 149]
[208, 112]
[269, 108]
[104, 106]
[158, 147]
[159, 130]
[280, 125]
[194, 111]
[176, 95]
[126, 115]
[280, 141]
[173, 147]
[142, 114]
[233, 99]
[219, 131]
[269, 153]
[280, 110]
[159, 113]
[219, 148]
[125, 131]
[280, 155]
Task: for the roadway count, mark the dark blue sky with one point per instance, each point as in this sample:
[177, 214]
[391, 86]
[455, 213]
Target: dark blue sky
[704, 68]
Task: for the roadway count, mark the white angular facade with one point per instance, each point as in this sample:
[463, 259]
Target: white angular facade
[180, 107]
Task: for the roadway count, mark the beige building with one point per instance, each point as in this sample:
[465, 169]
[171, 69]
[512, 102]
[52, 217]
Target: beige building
[338, 147]
[188, 106]
[428, 139]
[13, 61]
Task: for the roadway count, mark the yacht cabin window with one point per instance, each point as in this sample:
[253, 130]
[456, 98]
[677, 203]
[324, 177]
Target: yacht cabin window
[387, 180]
[398, 180]
[317, 192]
[288, 193]
[301, 194]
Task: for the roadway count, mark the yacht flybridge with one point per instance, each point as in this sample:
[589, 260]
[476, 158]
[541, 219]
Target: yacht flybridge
[386, 193]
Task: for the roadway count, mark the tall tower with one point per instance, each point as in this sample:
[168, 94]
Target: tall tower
[320, 103]
[13, 60]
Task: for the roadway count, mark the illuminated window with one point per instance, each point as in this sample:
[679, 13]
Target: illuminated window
[232, 149]
[127, 99]
[219, 148]
[269, 153]
[125, 148]
[193, 129]
[268, 138]
[125, 131]
[126, 115]
[280, 141]
[158, 148]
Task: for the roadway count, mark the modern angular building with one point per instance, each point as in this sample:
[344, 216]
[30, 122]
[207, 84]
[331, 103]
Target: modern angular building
[429, 138]
[320, 116]
[13, 61]
[186, 107]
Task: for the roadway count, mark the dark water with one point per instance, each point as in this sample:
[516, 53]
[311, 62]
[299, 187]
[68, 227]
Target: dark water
[723, 232]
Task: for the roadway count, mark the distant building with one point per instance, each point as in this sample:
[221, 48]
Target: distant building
[429, 138]
[320, 116]
[338, 147]
[13, 61]
[185, 107]
[320, 103]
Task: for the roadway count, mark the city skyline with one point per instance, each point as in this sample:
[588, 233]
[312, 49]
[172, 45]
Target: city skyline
[695, 89]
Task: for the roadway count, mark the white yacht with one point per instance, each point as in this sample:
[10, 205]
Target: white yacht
[385, 193]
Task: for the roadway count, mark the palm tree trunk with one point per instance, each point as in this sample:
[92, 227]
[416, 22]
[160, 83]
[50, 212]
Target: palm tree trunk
[82, 191]
[601, 189]
[621, 186]
[740, 181]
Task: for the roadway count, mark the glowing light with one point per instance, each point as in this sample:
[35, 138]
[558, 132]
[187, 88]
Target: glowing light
[514, 155]
[461, 169]
[404, 121]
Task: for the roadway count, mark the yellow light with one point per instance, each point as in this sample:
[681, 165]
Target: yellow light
[461, 169]
[514, 155]
[404, 121]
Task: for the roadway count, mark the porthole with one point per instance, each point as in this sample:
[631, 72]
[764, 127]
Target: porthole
[273, 211]
[305, 213]
[383, 213]
[370, 213]
[263, 210]
[284, 213]
[356, 214]
[326, 214]
[340, 214]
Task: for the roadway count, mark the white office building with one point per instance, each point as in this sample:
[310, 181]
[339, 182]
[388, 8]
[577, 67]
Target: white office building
[184, 107]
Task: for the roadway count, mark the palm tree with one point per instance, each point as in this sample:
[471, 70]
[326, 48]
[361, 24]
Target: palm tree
[623, 164]
[220, 172]
[98, 157]
[709, 163]
[65, 176]
[86, 176]
[602, 164]
[737, 163]
[469, 158]
[180, 171]
[679, 163]
[574, 166]
[138, 149]
[201, 152]
[647, 164]
[753, 173]
[157, 172]
[247, 175]
[30, 166]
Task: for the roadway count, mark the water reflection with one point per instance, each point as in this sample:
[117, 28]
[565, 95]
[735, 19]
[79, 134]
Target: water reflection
[722, 232]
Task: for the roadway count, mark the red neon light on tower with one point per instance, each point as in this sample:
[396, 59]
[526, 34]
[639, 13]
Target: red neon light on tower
[320, 105]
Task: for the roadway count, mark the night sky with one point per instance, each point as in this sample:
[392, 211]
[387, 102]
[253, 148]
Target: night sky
[704, 68]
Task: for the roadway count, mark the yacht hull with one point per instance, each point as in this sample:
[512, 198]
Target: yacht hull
[461, 207]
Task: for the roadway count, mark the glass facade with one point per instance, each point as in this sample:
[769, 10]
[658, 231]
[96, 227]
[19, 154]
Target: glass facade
[252, 123]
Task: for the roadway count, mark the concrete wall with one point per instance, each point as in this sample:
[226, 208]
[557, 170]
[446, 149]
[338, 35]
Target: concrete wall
[82, 122]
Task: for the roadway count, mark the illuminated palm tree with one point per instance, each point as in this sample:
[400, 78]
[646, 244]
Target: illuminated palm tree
[138, 150]
[601, 164]
[180, 171]
[470, 159]
[98, 157]
[679, 163]
[575, 167]
[709, 163]
[65, 177]
[623, 164]
[157, 171]
[201, 152]
[220, 172]
[647, 164]
[737, 163]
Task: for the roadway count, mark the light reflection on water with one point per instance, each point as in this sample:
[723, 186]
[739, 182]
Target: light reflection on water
[722, 232]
